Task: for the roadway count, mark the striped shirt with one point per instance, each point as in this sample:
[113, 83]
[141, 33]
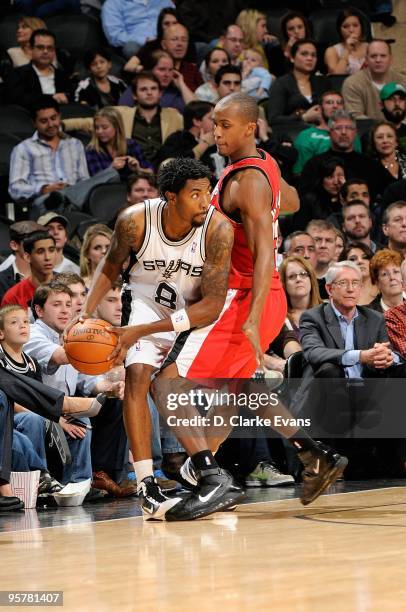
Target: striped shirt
[34, 164]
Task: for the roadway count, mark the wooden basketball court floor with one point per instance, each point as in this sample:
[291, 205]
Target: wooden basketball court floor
[345, 552]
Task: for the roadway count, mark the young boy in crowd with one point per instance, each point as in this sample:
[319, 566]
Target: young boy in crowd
[30, 454]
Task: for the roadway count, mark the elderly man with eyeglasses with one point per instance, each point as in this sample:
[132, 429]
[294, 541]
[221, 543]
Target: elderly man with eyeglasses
[344, 347]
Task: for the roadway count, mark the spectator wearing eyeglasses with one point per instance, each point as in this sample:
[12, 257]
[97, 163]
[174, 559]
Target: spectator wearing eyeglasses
[386, 275]
[343, 131]
[342, 340]
[175, 41]
[23, 85]
[302, 292]
[232, 41]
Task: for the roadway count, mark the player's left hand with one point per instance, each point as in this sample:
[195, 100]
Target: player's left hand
[251, 330]
[127, 336]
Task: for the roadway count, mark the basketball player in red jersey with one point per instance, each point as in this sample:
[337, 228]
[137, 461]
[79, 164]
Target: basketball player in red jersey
[249, 194]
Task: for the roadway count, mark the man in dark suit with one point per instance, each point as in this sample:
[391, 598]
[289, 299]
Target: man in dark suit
[341, 340]
[25, 84]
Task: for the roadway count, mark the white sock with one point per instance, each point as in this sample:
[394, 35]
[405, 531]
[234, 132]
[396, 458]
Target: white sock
[143, 469]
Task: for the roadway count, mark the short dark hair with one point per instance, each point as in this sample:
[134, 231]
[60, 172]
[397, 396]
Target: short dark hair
[31, 239]
[42, 102]
[299, 43]
[356, 245]
[90, 55]
[41, 32]
[227, 69]
[245, 104]
[140, 174]
[195, 110]
[348, 183]
[144, 74]
[331, 92]
[172, 176]
[43, 292]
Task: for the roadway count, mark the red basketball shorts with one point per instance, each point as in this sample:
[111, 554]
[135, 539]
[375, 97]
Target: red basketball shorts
[221, 350]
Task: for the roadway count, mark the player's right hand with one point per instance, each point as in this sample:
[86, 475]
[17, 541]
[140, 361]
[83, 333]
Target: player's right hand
[127, 336]
[251, 330]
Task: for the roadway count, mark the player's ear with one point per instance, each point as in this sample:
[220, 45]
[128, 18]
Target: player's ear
[170, 196]
[1, 335]
[251, 127]
[385, 229]
[27, 257]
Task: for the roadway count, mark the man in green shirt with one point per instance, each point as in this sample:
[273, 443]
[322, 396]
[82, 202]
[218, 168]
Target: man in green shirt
[315, 140]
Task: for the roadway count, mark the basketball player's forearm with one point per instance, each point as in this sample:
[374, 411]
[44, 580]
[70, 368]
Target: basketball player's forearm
[261, 284]
[203, 313]
[103, 280]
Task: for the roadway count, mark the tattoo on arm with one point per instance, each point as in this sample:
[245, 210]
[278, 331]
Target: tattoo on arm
[124, 236]
[217, 265]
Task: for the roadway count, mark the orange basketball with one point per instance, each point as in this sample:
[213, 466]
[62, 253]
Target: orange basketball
[89, 344]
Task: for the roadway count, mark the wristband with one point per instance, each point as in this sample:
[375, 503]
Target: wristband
[180, 320]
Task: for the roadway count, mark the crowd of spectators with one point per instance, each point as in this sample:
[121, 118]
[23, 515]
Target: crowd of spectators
[333, 116]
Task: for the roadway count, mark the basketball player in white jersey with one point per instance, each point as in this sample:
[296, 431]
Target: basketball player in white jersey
[183, 248]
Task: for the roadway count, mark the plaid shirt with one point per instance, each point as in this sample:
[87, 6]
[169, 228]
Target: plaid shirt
[100, 160]
[396, 326]
[34, 164]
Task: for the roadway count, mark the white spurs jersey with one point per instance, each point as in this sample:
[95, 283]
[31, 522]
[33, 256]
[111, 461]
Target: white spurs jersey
[167, 274]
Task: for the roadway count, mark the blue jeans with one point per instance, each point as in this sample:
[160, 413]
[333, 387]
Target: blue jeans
[24, 455]
[33, 427]
[81, 466]
[78, 193]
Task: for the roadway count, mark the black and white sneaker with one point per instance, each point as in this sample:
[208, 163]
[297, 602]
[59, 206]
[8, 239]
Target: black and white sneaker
[216, 491]
[154, 503]
[188, 474]
[322, 467]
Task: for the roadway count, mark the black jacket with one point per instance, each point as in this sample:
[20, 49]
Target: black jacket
[285, 97]
[7, 280]
[23, 86]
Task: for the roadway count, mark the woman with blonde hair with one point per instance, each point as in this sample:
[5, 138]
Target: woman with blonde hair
[302, 292]
[109, 146]
[253, 25]
[21, 55]
[96, 242]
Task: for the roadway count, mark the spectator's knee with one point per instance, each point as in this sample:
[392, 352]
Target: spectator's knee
[329, 370]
